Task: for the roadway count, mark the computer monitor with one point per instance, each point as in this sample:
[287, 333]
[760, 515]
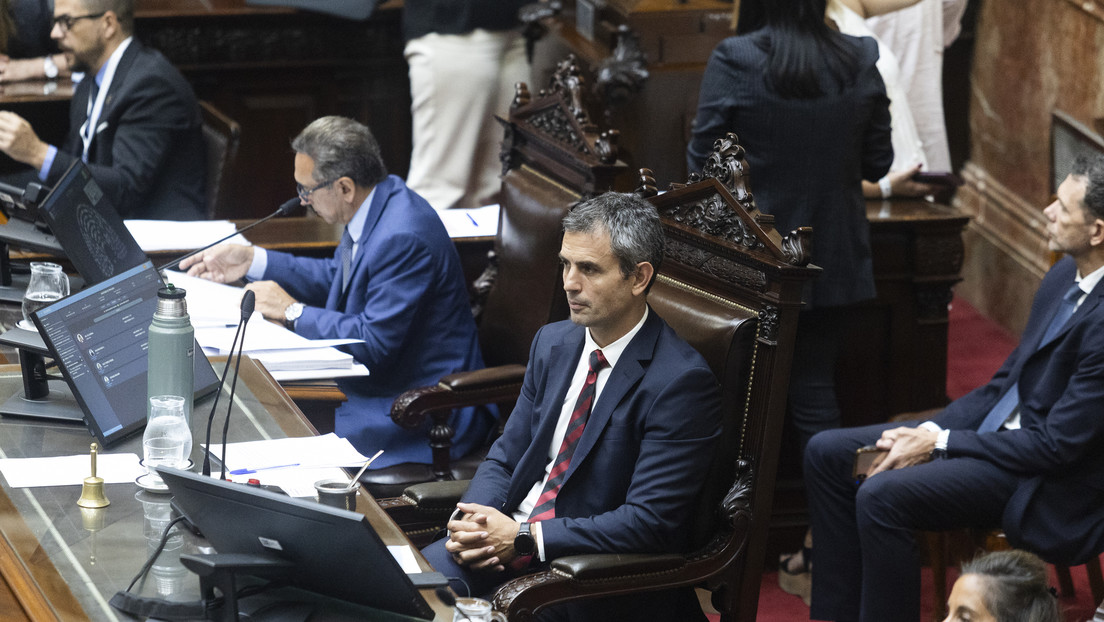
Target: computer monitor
[98, 338]
[335, 552]
[90, 231]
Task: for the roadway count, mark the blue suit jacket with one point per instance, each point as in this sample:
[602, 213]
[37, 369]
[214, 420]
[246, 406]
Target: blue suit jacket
[406, 299]
[644, 452]
[1058, 509]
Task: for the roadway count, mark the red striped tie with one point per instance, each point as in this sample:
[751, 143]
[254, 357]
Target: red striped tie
[546, 503]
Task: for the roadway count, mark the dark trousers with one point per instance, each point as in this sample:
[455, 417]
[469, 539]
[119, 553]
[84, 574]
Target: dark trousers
[811, 399]
[866, 565]
[679, 605]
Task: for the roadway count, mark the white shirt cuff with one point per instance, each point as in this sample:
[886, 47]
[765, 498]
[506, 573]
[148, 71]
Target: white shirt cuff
[941, 440]
[260, 264]
[538, 535]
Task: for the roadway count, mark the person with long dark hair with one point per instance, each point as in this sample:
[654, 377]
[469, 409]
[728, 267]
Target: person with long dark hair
[810, 108]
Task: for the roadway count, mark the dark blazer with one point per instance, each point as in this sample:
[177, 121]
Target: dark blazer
[807, 158]
[1058, 510]
[458, 17]
[148, 153]
[406, 299]
[643, 455]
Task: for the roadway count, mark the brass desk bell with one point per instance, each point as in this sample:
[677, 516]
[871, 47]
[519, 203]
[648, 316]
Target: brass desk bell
[92, 492]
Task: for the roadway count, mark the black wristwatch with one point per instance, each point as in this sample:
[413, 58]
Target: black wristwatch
[524, 544]
[937, 454]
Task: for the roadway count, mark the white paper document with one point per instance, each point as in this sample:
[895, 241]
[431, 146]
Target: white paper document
[174, 235]
[470, 223]
[405, 556]
[293, 464]
[292, 375]
[70, 470]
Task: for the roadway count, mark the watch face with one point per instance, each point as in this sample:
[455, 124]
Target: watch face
[524, 543]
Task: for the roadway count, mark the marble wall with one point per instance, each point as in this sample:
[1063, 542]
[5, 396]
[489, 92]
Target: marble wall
[1031, 57]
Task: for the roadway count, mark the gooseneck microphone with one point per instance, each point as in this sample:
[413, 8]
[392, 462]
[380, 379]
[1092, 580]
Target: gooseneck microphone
[249, 300]
[286, 208]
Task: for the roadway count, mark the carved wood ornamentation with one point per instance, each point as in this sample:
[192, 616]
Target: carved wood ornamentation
[623, 73]
[738, 499]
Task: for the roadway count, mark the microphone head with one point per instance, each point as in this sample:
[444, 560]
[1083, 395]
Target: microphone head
[447, 599]
[288, 206]
[248, 302]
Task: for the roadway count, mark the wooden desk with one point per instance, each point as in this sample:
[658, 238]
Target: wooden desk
[58, 562]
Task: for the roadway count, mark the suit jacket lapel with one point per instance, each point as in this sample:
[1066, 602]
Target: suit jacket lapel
[380, 199]
[625, 376]
[1091, 300]
[562, 359]
[122, 70]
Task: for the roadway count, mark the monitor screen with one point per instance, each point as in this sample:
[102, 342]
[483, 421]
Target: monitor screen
[98, 338]
[90, 231]
[335, 552]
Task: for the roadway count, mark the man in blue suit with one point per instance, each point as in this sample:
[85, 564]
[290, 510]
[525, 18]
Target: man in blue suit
[1024, 452]
[395, 283]
[612, 434]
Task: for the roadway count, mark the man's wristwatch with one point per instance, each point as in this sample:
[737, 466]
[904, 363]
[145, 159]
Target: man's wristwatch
[937, 453]
[524, 543]
[49, 68]
[292, 313]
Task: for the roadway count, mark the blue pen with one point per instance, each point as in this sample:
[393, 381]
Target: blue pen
[472, 219]
[267, 468]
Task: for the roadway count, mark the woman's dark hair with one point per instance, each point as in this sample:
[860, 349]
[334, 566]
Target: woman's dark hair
[1015, 584]
[800, 46]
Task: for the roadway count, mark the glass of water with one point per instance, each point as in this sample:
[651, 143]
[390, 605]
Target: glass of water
[167, 439]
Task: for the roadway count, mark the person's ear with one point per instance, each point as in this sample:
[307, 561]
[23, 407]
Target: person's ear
[1096, 235]
[642, 277]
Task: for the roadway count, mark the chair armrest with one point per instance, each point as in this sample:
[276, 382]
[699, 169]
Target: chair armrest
[435, 496]
[471, 388]
[424, 509]
[582, 576]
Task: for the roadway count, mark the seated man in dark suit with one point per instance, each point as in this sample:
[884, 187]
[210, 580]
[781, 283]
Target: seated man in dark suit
[1024, 452]
[395, 282]
[133, 118]
[612, 434]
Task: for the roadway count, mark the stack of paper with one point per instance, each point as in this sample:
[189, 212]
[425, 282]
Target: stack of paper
[215, 310]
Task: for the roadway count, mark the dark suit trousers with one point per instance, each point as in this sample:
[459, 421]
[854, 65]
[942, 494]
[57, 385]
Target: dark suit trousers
[865, 565]
[679, 604]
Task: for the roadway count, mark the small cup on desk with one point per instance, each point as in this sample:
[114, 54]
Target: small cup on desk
[470, 609]
[337, 493]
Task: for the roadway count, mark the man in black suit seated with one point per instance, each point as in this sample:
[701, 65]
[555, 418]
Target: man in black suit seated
[133, 118]
[1024, 452]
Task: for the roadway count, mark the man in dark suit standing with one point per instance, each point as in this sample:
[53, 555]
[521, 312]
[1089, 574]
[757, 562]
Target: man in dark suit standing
[1023, 452]
[395, 283]
[133, 118]
[612, 434]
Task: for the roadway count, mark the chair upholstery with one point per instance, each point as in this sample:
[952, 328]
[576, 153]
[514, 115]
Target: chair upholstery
[221, 136]
[551, 160]
[731, 286]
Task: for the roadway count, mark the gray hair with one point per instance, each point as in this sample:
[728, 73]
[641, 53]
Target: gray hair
[636, 234]
[1092, 169]
[123, 10]
[342, 147]
[1015, 584]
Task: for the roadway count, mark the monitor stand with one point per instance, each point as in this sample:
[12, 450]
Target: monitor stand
[42, 397]
[12, 284]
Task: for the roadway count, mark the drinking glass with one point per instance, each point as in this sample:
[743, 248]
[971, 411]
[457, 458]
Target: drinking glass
[167, 439]
[48, 284]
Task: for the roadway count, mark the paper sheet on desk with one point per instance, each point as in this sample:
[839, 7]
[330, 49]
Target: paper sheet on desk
[70, 470]
[173, 235]
[470, 223]
[298, 462]
[290, 376]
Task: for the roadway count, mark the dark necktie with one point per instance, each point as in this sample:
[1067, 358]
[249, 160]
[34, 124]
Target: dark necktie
[546, 504]
[345, 255]
[1011, 399]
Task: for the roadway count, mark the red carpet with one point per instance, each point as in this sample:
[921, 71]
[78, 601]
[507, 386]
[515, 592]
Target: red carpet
[976, 348]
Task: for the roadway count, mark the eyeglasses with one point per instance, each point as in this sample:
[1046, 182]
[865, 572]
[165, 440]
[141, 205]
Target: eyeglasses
[305, 192]
[65, 22]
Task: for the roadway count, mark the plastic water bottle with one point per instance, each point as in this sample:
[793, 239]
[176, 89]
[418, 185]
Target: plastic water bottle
[171, 350]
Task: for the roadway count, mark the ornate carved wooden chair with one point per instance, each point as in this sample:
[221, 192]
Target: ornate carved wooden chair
[221, 136]
[731, 286]
[552, 155]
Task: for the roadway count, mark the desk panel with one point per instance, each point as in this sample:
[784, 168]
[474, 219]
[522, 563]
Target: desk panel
[64, 563]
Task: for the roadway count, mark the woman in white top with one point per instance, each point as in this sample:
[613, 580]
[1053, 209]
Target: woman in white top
[908, 151]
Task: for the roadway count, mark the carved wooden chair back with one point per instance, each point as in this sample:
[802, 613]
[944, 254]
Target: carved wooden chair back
[221, 136]
[731, 286]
